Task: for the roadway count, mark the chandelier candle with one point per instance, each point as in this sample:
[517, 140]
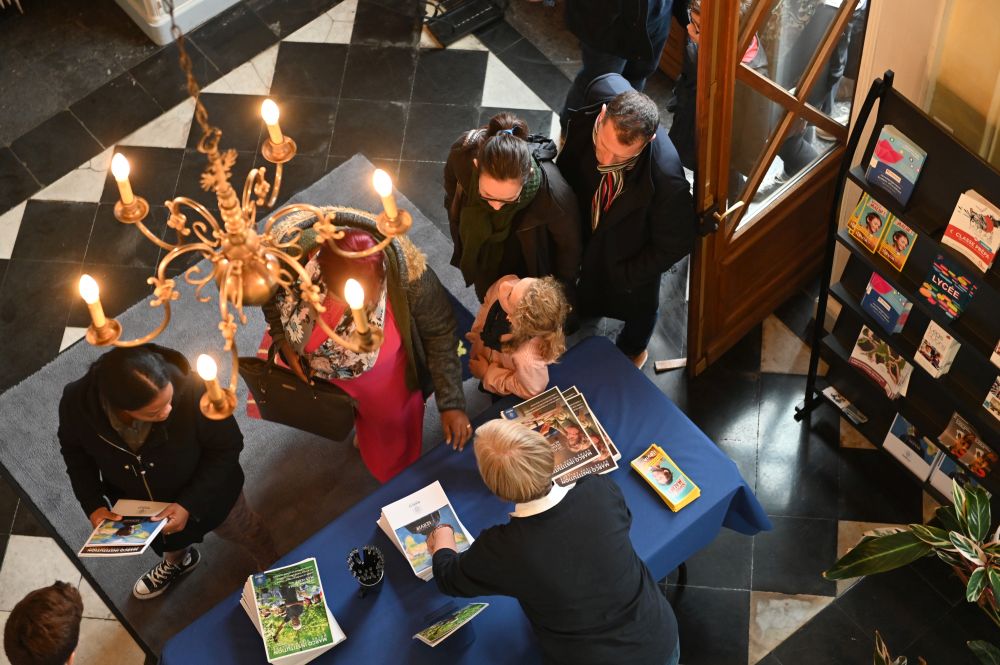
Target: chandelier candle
[355, 297]
[269, 111]
[208, 370]
[383, 186]
[91, 295]
[120, 169]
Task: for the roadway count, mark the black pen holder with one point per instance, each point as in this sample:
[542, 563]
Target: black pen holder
[367, 565]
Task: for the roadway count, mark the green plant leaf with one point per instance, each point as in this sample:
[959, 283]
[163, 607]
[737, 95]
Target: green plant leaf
[967, 548]
[994, 577]
[878, 555]
[949, 558]
[977, 583]
[985, 652]
[958, 495]
[978, 513]
[932, 535]
[882, 656]
[993, 549]
[948, 517]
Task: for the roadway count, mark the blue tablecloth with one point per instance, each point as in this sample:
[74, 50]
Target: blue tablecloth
[380, 627]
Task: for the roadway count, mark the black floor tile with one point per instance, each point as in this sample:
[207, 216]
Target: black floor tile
[450, 77]
[116, 109]
[114, 243]
[55, 147]
[238, 116]
[8, 506]
[3, 547]
[3, 270]
[725, 404]
[724, 564]
[941, 577]
[769, 659]
[298, 174]
[386, 23]
[38, 293]
[422, 183]
[16, 183]
[121, 287]
[29, 93]
[308, 70]
[704, 616]
[26, 524]
[284, 17]
[797, 313]
[432, 128]
[873, 488]
[233, 37]
[162, 77]
[793, 555]
[26, 348]
[830, 638]
[376, 72]
[309, 122]
[54, 231]
[797, 464]
[537, 72]
[152, 174]
[539, 122]
[499, 36]
[906, 606]
[946, 641]
[189, 179]
[373, 128]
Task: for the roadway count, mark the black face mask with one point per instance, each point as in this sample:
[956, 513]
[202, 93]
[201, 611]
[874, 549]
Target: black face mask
[497, 324]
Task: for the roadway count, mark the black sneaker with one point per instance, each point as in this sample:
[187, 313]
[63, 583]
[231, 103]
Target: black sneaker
[163, 574]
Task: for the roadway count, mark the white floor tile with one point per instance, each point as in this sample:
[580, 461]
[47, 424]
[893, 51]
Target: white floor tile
[468, 43]
[32, 563]
[10, 224]
[93, 606]
[775, 616]
[503, 89]
[782, 352]
[71, 335]
[555, 129]
[3, 624]
[251, 78]
[848, 535]
[170, 130]
[325, 29]
[930, 506]
[852, 438]
[83, 184]
[106, 643]
[345, 11]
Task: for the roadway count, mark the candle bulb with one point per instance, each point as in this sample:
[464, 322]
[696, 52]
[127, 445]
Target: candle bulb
[120, 169]
[269, 111]
[91, 295]
[383, 186]
[355, 297]
[208, 370]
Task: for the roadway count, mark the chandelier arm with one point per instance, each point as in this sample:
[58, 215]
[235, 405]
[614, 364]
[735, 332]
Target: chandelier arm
[248, 187]
[152, 334]
[227, 322]
[161, 271]
[290, 208]
[234, 368]
[276, 187]
[197, 207]
[163, 244]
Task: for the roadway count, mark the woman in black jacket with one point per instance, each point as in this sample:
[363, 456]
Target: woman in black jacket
[132, 428]
[509, 208]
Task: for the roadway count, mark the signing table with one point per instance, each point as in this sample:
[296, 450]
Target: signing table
[380, 626]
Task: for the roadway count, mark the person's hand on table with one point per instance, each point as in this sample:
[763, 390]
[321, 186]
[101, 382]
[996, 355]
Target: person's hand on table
[176, 516]
[102, 514]
[457, 428]
[441, 538]
[478, 366]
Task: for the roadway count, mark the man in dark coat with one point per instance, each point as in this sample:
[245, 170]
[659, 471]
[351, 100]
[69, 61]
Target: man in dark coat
[176, 456]
[638, 213]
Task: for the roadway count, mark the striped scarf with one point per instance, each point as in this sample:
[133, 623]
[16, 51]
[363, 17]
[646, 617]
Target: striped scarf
[610, 186]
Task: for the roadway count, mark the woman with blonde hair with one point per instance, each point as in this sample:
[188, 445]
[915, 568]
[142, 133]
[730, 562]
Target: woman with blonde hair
[600, 605]
[517, 334]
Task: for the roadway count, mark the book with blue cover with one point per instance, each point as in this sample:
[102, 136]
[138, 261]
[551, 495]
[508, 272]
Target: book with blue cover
[895, 164]
[886, 305]
[905, 443]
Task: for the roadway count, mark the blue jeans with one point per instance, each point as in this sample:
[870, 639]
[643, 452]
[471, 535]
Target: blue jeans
[675, 658]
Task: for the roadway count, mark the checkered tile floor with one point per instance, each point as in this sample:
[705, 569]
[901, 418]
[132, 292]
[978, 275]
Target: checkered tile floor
[359, 76]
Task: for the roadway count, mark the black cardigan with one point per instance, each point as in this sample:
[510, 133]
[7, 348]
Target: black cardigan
[188, 459]
[589, 597]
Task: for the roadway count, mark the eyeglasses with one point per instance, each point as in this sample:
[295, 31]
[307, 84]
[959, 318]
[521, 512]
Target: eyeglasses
[503, 202]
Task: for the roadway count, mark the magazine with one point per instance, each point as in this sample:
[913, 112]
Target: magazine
[886, 305]
[868, 223]
[850, 411]
[288, 608]
[948, 286]
[128, 536]
[439, 631]
[916, 452]
[550, 415]
[664, 476]
[572, 391]
[881, 364]
[937, 350]
[974, 229]
[945, 471]
[963, 442]
[897, 243]
[992, 401]
[896, 163]
[605, 461]
[409, 521]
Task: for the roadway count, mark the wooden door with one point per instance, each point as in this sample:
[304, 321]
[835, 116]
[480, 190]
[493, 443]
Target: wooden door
[765, 73]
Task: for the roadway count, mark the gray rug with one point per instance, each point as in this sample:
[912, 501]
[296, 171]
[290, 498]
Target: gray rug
[297, 481]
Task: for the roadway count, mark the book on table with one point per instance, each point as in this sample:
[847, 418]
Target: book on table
[409, 521]
[974, 229]
[880, 363]
[890, 308]
[937, 350]
[605, 462]
[896, 163]
[897, 243]
[129, 536]
[440, 630]
[905, 443]
[868, 222]
[288, 608]
[962, 441]
[992, 401]
[549, 414]
[948, 286]
[665, 477]
[850, 411]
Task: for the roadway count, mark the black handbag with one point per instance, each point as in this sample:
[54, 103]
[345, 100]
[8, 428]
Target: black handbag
[322, 408]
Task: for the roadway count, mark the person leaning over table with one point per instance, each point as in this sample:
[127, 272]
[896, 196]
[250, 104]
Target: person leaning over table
[599, 606]
[132, 428]
[418, 355]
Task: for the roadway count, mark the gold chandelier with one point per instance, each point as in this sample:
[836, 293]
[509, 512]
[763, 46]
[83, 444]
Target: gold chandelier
[247, 264]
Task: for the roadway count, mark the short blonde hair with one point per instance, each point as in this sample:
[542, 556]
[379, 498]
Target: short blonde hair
[515, 462]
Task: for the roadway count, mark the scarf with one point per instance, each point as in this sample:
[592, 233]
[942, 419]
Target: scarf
[329, 360]
[484, 231]
[610, 186]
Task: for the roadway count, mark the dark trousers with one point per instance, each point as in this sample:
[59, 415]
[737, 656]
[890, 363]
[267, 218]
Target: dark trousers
[639, 318]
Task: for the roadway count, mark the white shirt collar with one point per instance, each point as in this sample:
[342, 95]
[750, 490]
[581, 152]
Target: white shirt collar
[555, 495]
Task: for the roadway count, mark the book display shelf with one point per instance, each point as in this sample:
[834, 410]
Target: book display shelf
[928, 402]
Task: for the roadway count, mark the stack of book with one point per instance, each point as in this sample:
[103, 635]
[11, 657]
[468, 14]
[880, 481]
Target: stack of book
[937, 350]
[923, 457]
[948, 286]
[886, 305]
[974, 229]
[896, 163]
[129, 536]
[665, 477]
[288, 608]
[880, 363]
